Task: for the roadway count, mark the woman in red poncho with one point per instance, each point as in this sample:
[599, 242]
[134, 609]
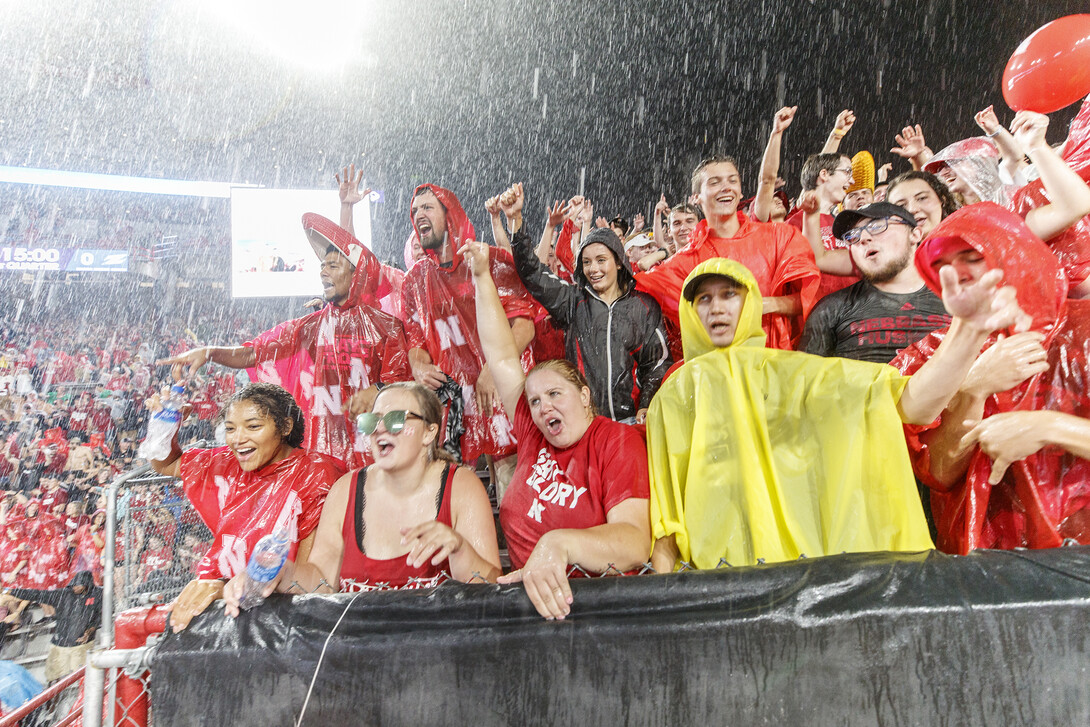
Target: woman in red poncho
[259, 483]
[1021, 477]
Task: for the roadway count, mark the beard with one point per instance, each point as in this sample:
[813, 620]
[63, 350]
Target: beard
[434, 240]
[890, 270]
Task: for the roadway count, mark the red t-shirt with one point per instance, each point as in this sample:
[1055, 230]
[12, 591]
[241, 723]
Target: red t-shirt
[570, 488]
[242, 507]
[829, 283]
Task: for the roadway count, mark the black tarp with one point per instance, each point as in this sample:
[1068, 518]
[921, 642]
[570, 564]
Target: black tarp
[993, 638]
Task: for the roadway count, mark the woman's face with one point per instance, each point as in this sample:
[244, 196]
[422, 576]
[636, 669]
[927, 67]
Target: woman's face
[917, 196]
[559, 408]
[253, 437]
[408, 446]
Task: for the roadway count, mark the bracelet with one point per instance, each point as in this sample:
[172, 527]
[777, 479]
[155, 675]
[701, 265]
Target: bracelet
[994, 133]
[839, 133]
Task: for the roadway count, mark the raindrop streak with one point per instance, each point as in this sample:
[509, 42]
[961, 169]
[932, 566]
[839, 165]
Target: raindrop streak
[537, 77]
[582, 179]
[640, 108]
[820, 103]
[574, 63]
[781, 88]
[90, 81]
[685, 69]
[545, 107]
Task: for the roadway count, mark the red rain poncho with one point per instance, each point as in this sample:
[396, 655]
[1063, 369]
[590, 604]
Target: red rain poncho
[241, 507]
[778, 256]
[1045, 497]
[1072, 246]
[325, 357]
[441, 318]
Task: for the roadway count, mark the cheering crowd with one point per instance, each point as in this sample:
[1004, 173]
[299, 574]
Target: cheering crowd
[873, 363]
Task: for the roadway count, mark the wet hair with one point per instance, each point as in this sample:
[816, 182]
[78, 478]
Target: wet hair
[566, 370]
[698, 174]
[276, 403]
[686, 208]
[431, 411]
[622, 223]
[813, 166]
[946, 197]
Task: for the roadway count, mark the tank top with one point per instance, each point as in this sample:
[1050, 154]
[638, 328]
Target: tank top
[362, 573]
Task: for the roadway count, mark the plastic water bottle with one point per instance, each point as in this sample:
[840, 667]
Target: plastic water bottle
[268, 558]
[163, 424]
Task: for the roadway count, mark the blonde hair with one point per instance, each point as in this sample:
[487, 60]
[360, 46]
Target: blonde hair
[431, 411]
[567, 371]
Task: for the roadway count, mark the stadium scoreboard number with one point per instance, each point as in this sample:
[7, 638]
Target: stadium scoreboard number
[33, 259]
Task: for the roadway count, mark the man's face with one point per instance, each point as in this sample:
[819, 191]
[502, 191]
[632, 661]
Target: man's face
[720, 189]
[858, 198]
[917, 196]
[957, 185]
[837, 181]
[599, 267]
[968, 263]
[682, 225]
[881, 256]
[336, 275]
[430, 220]
[636, 252]
[718, 302]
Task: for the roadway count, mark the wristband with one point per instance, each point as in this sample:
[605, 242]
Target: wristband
[839, 133]
[994, 133]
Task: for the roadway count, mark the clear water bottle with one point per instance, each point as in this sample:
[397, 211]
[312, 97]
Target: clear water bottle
[268, 558]
[163, 424]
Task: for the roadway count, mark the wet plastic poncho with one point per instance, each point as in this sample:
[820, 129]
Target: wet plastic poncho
[777, 255]
[440, 312]
[323, 358]
[1045, 497]
[976, 161]
[241, 507]
[1072, 246]
[763, 454]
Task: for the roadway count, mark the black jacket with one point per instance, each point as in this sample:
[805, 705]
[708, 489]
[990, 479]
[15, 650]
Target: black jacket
[607, 343]
[76, 612]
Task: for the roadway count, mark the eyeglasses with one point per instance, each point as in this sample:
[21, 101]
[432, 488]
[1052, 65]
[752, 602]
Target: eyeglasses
[394, 421]
[874, 227]
[847, 171]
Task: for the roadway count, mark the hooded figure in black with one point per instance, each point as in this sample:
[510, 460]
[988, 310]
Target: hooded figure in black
[614, 333]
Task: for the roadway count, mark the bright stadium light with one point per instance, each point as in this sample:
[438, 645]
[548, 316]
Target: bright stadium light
[320, 35]
[115, 183]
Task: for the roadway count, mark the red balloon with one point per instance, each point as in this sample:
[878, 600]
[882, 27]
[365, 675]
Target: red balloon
[1051, 68]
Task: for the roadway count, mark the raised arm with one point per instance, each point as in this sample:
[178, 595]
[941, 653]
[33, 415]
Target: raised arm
[501, 353]
[1069, 195]
[348, 186]
[554, 216]
[912, 146]
[978, 309]
[1012, 158]
[770, 164]
[237, 357]
[836, 262]
[499, 235]
[844, 122]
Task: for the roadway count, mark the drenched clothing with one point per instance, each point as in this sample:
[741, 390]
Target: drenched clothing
[976, 162]
[441, 318]
[1045, 497]
[777, 255]
[618, 346]
[241, 507]
[76, 612]
[829, 283]
[359, 572]
[571, 488]
[868, 324]
[323, 358]
[759, 454]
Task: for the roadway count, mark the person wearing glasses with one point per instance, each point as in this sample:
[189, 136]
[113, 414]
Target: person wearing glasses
[890, 308]
[409, 520]
[827, 177]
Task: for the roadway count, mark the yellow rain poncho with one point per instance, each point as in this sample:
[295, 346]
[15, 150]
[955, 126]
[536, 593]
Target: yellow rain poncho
[763, 454]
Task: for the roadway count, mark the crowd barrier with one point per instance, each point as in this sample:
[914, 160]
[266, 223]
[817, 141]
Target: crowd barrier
[993, 638]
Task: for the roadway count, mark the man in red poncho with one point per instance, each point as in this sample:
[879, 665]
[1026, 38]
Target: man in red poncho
[440, 315]
[777, 254]
[1009, 461]
[331, 360]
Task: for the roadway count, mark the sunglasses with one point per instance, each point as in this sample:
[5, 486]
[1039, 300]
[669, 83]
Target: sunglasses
[394, 421]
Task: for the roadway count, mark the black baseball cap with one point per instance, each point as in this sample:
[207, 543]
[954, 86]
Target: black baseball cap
[848, 219]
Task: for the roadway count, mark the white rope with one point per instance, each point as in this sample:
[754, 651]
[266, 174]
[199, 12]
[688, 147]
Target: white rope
[322, 656]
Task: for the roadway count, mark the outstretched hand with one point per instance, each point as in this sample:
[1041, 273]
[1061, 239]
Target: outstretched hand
[476, 257]
[845, 120]
[193, 358]
[348, 185]
[556, 214]
[1028, 129]
[983, 305]
[197, 596]
[910, 142]
[511, 200]
[662, 207]
[987, 120]
[545, 578]
[783, 119]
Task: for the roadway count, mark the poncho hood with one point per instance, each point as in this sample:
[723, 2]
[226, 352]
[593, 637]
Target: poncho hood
[975, 160]
[366, 280]
[607, 237]
[1005, 241]
[694, 337]
[459, 228]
